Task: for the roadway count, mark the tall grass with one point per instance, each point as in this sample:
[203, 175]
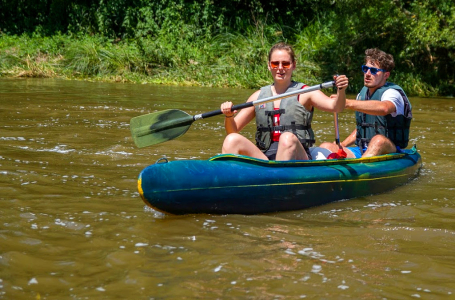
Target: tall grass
[26, 57]
[225, 44]
[228, 59]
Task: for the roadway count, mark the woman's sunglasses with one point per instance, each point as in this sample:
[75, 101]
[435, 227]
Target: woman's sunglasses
[373, 70]
[284, 64]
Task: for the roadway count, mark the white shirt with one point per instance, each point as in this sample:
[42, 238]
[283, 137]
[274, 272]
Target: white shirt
[395, 97]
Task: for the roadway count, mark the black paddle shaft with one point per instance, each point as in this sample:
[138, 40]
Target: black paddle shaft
[268, 99]
[169, 124]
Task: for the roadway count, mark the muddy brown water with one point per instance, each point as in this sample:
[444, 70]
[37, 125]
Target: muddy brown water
[72, 224]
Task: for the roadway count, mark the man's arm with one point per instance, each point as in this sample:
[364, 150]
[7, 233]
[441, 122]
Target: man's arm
[371, 107]
[350, 140]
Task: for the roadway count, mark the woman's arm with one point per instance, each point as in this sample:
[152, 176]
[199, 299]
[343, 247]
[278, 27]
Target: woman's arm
[236, 124]
[318, 99]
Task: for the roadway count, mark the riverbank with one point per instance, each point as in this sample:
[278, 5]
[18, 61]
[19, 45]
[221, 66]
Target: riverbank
[137, 61]
[227, 61]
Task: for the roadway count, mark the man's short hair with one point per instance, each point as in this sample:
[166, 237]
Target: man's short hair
[384, 60]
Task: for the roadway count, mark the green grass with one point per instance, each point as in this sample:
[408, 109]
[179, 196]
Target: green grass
[226, 60]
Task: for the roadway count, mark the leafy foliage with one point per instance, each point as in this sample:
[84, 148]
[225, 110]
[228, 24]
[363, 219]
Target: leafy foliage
[226, 43]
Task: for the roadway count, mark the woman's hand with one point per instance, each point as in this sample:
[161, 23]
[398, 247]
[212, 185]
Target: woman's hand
[341, 81]
[226, 109]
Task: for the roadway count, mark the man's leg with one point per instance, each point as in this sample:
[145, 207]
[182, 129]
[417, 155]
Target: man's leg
[379, 145]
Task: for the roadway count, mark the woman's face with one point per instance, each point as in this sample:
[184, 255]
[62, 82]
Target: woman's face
[281, 65]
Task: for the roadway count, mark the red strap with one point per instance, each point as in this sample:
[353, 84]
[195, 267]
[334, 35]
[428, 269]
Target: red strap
[298, 96]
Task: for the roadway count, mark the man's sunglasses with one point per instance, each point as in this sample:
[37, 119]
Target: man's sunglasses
[284, 64]
[373, 70]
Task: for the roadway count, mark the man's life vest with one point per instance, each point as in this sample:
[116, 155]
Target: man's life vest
[394, 128]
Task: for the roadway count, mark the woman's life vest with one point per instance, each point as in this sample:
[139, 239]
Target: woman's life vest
[394, 128]
[294, 117]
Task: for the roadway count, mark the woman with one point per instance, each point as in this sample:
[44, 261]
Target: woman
[283, 126]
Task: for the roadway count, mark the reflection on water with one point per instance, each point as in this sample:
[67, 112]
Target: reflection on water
[72, 224]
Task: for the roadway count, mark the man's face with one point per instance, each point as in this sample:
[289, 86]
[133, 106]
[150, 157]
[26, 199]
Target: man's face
[375, 81]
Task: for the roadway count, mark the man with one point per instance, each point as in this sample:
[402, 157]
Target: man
[383, 111]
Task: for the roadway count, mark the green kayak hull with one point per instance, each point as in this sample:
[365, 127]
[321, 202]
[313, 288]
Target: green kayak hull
[236, 184]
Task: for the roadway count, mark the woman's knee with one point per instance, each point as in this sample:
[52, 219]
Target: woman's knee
[288, 139]
[232, 141]
[232, 138]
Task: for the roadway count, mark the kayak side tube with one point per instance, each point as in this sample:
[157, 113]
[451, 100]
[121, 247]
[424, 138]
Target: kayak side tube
[236, 184]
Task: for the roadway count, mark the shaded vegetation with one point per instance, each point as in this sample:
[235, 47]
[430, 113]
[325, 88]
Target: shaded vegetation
[226, 43]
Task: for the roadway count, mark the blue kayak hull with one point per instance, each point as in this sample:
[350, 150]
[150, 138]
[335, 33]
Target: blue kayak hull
[235, 184]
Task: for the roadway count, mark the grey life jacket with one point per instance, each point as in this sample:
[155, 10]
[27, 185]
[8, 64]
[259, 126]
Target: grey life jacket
[394, 128]
[294, 117]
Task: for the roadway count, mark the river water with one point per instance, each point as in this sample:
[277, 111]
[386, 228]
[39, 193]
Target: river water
[72, 224]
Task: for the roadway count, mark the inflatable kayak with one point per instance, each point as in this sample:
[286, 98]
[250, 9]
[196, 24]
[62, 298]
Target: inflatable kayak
[236, 184]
